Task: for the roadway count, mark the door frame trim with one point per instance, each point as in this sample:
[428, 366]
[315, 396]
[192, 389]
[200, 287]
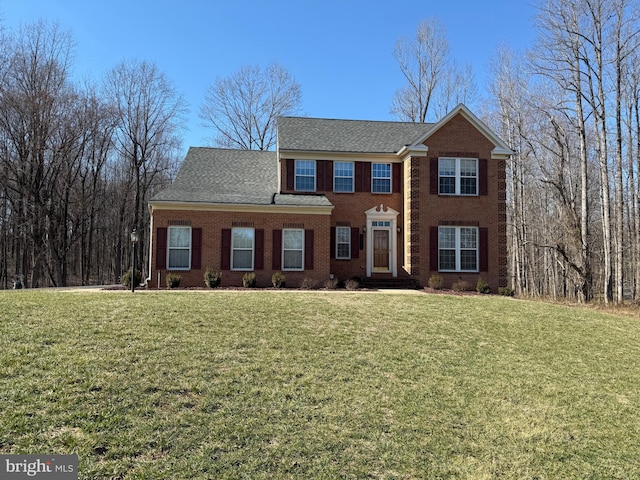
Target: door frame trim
[382, 214]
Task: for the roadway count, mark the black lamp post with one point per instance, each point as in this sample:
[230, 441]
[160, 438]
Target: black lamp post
[135, 238]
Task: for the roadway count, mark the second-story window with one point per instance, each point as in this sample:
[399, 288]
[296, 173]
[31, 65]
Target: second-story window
[305, 176]
[343, 177]
[458, 176]
[381, 178]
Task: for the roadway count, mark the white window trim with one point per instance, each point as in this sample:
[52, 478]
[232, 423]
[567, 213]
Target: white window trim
[458, 249]
[348, 257]
[352, 177]
[169, 248]
[253, 249]
[301, 268]
[382, 178]
[295, 176]
[458, 176]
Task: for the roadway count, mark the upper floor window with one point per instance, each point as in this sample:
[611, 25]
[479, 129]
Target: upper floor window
[242, 248]
[305, 176]
[293, 249]
[179, 248]
[343, 243]
[458, 176]
[458, 249]
[381, 178]
[343, 177]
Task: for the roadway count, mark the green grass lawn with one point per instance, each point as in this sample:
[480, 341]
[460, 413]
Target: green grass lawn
[271, 385]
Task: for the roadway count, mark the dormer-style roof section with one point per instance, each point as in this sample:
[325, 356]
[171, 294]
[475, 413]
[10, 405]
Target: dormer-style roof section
[346, 136]
[501, 149]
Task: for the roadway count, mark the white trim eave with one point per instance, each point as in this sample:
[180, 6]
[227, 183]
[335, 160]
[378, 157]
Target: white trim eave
[408, 151]
[347, 156]
[462, 109]
[232, 207]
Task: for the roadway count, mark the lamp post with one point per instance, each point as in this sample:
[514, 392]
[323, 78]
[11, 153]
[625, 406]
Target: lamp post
[135, 238]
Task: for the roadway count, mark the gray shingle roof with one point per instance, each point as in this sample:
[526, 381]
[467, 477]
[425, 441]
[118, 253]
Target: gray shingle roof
[245, 177]
[348, 136]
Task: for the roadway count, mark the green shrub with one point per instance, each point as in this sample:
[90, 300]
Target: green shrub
[126, 278]
[249, 280]
[173, 280]
[482, 286]
[308, 283]
[212, 278]
[460, 286]
[506, 291]
[436, 281]
[278, 279]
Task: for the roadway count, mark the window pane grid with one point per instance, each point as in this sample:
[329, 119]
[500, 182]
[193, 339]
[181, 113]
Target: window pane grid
[242, 249]
[343, 242]
[458, 249]
[458, 176]
[305, 175]
[292, 249]
[179, 248]
[381, 178]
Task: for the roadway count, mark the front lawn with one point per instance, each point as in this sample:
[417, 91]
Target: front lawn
[271, 385]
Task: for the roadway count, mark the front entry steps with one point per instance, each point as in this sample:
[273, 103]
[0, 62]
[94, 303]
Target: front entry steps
[403, 283]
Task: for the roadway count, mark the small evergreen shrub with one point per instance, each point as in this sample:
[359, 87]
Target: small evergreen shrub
[308, 283]
[278, 279]
[352, 284]
[212, 278]
[331, 283]
[173, 280]
[506, 291]
[249, 280]
[460, 286]
[482, 286]
[18, 282]
[126, 278]
[435, 281]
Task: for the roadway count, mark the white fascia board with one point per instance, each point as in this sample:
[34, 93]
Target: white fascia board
[229, 207]
[338, 156]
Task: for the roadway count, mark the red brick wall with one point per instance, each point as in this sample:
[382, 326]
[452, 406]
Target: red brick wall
[212, 224]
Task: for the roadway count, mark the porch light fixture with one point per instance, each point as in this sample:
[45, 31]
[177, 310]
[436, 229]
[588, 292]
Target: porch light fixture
[135, 238]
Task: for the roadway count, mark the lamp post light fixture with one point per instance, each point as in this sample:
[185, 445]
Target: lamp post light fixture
[135, 238]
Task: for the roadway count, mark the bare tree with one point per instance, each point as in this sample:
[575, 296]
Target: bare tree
[430, 74]
[242, 108]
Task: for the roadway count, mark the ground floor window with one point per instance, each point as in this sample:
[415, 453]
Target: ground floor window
[343, 243]
[293, 249]
[458, 249]
[179, 248]
[242, 248]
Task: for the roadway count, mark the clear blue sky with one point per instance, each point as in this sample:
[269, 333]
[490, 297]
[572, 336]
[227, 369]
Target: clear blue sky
[340, 51]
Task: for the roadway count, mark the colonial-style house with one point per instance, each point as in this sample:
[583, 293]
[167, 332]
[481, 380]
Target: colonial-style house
[340, 199]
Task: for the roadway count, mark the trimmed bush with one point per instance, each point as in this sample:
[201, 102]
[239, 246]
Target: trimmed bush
[482, 286]
[308, 283]
[435, 281]
[460, 286]
[173, 280]
[352, 284]
[212, 278]
[126, 278]
[331, 283]
[506, 291]
[278, 279]
[249, 280]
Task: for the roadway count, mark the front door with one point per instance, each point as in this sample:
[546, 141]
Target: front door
[381, 250]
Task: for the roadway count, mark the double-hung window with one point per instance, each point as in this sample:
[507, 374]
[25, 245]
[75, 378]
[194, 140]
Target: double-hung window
[179, 248]
[458, 176]
[293, 249]
[458, 249]
[343, 177]
[343, 243]
[305, 176]
[242, 248]
[381, 178]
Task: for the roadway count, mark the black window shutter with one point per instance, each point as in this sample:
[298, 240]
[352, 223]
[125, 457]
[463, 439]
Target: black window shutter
[484, 249]
[161, 248]
[433, 249]
[355, 242]
[433, 176]
[332, 245]
[196, 248]
[258, 258]
[308, 250]
[396, 177]
[225, 250]
[290, 166]
[277, 249]
[483, 182]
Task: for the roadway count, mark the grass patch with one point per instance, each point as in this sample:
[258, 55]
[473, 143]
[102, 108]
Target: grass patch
[266, 385]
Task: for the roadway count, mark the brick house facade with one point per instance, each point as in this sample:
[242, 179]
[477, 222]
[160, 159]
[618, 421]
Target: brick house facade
[341, 198]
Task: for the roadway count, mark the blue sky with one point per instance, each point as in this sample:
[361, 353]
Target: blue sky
[340, 51]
